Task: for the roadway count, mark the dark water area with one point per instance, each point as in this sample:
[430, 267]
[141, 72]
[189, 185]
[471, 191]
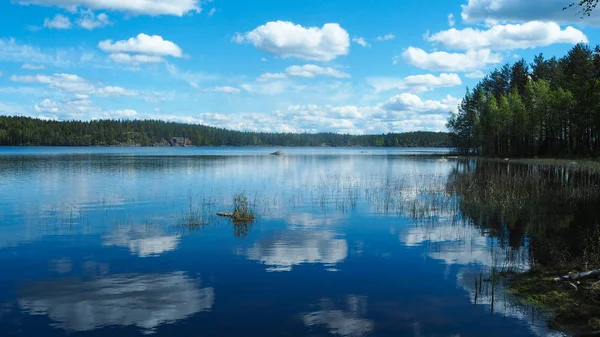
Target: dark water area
[346, 242]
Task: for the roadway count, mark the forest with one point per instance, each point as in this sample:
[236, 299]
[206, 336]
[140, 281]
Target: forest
[35, 132]
[549, 108]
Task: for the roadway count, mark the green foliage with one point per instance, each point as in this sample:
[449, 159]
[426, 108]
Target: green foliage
[552, 109]
[241, 209]
[29, 131]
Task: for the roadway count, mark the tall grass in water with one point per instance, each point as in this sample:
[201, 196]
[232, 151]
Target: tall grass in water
[242, 212]
[195, 216]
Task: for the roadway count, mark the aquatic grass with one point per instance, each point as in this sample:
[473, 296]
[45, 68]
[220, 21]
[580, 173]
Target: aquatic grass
[196, 216]
[242, 212]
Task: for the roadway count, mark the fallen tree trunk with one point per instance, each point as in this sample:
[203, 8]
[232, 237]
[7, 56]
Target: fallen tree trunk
[577, 276]
[225, 214]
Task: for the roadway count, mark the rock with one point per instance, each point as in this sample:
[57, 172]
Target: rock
[277, 153]
[225, 214]
[505, 159]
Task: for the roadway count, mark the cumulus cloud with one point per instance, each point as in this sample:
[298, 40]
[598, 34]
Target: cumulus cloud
[457, 62]
[110, 91]
[386, 37]
[74, 84]
[62, 82]
[523, 11]
[414, 83]
[506, 37]
[134, 7]
[224, 89]
[398, 114]
[66, 110]
[135, 59]
[142, 44]
[360, 41]
[58, 22]
[307, 71]
[451, 20]
[90, 21]
[28, 66]
[413, 103]
[286, 39]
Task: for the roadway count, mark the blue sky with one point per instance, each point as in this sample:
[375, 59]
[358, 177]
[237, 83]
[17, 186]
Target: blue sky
[300, 66]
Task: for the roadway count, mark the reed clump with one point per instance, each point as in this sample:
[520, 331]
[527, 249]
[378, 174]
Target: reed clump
[242, 212]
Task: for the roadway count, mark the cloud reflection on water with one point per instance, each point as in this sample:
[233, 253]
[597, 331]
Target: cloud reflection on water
[342, 322]
[145, 301]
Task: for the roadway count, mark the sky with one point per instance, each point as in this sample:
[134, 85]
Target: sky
[359, 67]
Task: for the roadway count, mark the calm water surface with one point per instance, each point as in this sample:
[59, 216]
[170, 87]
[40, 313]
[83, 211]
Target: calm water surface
[347, 242]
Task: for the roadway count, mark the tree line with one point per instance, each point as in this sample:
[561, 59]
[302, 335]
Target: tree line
[550, 107]
[35, 132]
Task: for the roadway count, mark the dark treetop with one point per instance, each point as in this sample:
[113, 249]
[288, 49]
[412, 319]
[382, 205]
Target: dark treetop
[550, 107]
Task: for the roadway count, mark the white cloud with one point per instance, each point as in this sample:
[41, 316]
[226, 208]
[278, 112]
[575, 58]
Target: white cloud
[74, 84]
[58, 22]
[311, 70]
[212, 11]
[457, 62]
[398, 114]
[134, 7]
[12, 51]
[414, 83]
[286, 39]
[523, 11]
[413, 103]
[476, 74]
[62, 82]
[360, 41]
[91, 21]
[272, 76]
[224, 89]
[28, 66]
[306, 71]
[135, 59]
[507, 37]
[111, 91]
[142, 44]
[451, 20]
[386, 37]
[79, 109]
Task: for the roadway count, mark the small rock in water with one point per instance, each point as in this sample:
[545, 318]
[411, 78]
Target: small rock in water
[225, 214]
[277, 153]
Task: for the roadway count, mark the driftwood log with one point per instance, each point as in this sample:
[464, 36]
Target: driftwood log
[577, 276]
[225, 214]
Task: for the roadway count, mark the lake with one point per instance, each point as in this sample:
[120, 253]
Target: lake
[346, 242]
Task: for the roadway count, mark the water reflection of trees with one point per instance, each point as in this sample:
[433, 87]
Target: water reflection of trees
[553, 210]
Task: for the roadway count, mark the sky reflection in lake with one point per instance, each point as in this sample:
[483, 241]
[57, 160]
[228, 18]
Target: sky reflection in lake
[346, 243]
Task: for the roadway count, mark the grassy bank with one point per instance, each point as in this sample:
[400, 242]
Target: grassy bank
[572, 307]
[552, 207]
